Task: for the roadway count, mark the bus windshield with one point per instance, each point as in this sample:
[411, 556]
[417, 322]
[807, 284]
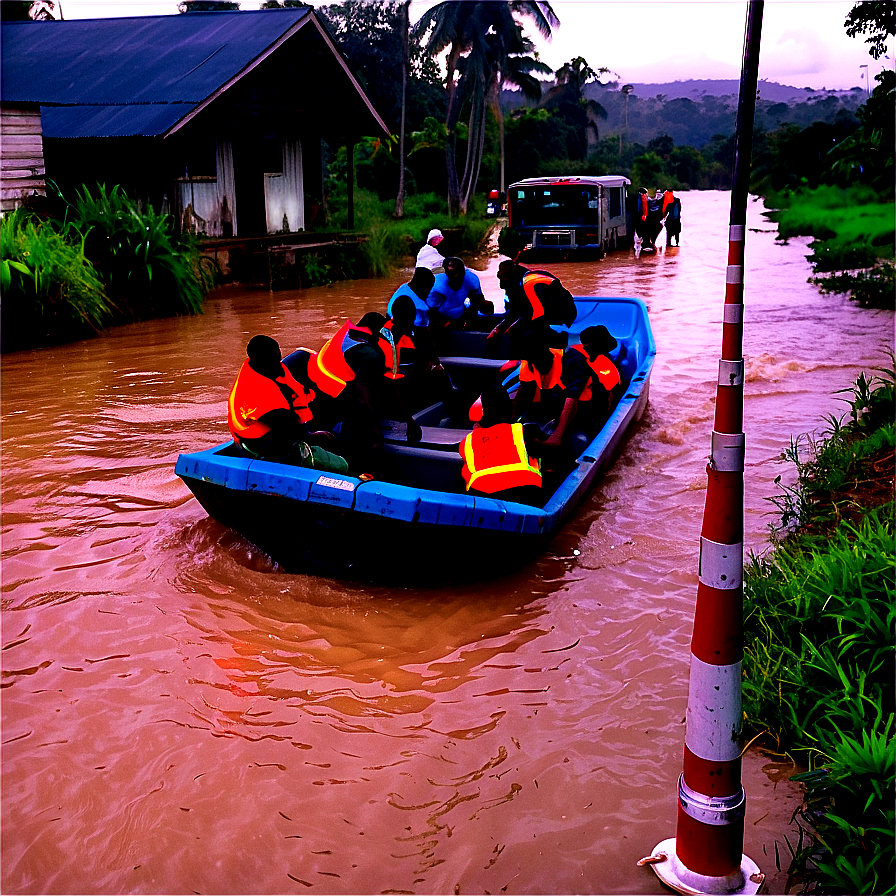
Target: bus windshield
[566, 205]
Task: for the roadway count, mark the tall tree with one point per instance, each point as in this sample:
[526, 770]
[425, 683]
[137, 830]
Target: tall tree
[463, 27]
[877, 19]
[569, 99]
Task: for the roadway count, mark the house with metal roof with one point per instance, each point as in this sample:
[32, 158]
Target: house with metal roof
[217, 118]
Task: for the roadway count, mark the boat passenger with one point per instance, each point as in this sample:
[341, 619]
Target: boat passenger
[417, 289]
[532, 297]
[592, 387]
[411, 361]
[268, 412]
[539, 397]
[456, 296]
[351, 368]
[500, 457]
[429, 256]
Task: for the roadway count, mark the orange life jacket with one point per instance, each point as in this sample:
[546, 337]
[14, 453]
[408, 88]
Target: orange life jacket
[642, 205]
[668, 199]
[605, 371]
[550, 380]
[530, 281]
[253, 395]
[495, 458]
[393, 359]
[328, 369]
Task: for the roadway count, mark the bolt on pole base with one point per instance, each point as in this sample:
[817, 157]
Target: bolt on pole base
[747, 880]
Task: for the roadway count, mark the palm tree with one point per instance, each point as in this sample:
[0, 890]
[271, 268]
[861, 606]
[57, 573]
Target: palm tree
[568, 97]
[474, 32]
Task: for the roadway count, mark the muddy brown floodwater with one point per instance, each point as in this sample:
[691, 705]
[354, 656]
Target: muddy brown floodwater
[181, 716]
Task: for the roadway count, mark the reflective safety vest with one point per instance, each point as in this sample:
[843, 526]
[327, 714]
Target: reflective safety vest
[605, 371]
[531, 374]
[530, 281]
[642, 205]
[668, 199]
[392, 351]
[253, 395]
[328, 369]
[495, 458]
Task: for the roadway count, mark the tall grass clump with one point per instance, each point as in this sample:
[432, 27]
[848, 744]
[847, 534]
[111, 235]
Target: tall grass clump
[149, 270]
[819, 644]
[51, 290]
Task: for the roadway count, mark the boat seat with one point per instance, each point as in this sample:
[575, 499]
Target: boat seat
[438, 438]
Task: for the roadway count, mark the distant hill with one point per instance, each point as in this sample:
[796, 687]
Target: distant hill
[768, 90]
[694, 112]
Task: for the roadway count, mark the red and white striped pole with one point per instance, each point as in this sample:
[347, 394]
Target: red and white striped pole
[706, 856]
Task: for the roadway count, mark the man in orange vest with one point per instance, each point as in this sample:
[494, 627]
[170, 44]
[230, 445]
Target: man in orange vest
[500, 456]
[351, 368]
[592, 387]
[539, 397]
[532, 298]
[268, 412]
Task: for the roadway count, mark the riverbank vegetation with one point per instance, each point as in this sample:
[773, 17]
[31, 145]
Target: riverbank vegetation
[98, 260]
[819, 644]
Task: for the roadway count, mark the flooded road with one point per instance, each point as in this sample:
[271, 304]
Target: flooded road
[180, 716]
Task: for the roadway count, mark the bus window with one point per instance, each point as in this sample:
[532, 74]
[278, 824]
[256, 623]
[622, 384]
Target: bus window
[615, 202]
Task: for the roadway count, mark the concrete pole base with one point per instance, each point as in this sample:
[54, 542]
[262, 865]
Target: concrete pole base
[747, 879]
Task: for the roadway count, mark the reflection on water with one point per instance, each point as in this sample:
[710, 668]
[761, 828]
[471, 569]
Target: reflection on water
[179, 715]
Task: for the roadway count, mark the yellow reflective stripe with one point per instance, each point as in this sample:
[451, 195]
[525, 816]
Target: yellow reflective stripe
[326, 371]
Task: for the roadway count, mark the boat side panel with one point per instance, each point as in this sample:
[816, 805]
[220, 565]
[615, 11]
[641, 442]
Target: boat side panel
[207, 466]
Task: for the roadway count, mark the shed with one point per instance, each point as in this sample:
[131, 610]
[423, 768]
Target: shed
[215, 117]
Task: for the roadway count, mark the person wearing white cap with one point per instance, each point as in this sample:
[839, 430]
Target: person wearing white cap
[429, 256]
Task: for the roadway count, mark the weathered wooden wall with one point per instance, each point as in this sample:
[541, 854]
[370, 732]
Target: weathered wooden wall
[22, 171]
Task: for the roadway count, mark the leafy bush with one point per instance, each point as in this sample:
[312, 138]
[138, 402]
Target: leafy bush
[149, 269]
[50, 288]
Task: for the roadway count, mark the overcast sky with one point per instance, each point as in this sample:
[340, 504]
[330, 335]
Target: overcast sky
[804, 43]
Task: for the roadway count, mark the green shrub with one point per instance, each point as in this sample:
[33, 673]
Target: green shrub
[149, 269]
[51, 291]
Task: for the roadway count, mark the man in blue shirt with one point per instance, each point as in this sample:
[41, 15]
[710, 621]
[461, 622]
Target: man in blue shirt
[456, 295]
[417, 289]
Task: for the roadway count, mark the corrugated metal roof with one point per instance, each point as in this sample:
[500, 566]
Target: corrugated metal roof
[151, 59]
[148, 120]
[153, 68]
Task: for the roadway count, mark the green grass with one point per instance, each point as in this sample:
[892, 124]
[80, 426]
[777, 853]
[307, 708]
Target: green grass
[50, 288]
[853, 230]
[391, 242]
[819, 643]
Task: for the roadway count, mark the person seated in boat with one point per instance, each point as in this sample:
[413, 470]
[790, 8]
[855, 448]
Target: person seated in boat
[539, 397]
[351, 368]
[532, 298]
[429, 256]
[500, 457]
[456, 297]
[268, 412]
[592, 388]
[417, 289]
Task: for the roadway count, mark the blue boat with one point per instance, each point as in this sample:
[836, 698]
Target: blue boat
[415, 522]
